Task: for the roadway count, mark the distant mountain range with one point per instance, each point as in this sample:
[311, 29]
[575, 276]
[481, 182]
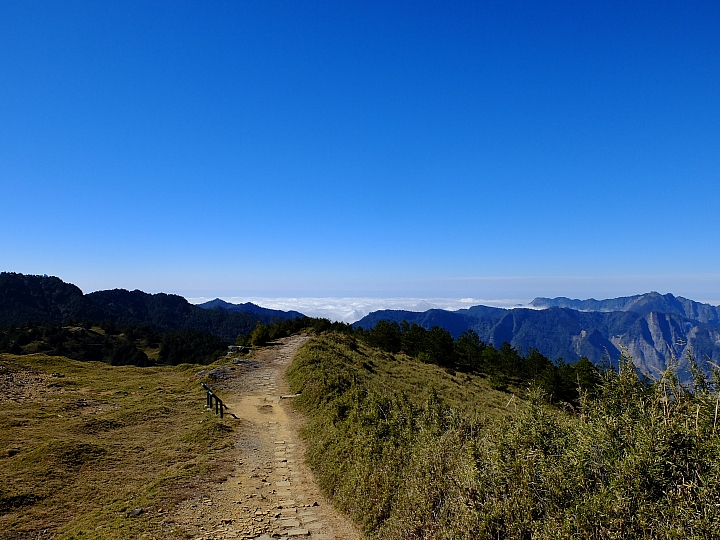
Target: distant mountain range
[249, 307]
[641, 303]
[30, 298]
[653, 328]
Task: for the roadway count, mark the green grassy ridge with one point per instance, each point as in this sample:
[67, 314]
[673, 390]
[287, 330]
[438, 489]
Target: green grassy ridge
[126, 346]
[504, 366]
[97, 442]
[635, 461]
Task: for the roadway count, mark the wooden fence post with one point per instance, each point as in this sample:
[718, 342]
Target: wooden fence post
[219, 406]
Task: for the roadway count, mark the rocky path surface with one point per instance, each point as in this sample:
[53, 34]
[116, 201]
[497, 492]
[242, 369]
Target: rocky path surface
[270, 493]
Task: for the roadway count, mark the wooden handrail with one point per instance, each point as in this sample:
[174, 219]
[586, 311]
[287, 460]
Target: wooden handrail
[219, 406]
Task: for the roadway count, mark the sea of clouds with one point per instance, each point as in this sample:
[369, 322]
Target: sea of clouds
[353, 309]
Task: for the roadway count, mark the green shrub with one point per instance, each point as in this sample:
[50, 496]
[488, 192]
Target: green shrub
[635, 460]
[261, 335]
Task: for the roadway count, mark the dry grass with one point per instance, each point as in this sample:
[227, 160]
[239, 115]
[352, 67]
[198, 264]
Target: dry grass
[635, 460]
[472, 394]
[398, 374]
[83, 444]
[374, 422]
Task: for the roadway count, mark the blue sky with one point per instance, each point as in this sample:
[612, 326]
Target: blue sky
[487, 150]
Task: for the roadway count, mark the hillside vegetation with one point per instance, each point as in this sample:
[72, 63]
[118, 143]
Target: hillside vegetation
[41, 299]
[411, 451]
[41, 314]
[504, 366]
[84, 444]
[124, 346]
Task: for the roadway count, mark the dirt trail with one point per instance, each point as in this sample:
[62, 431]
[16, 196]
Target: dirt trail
[270, 493]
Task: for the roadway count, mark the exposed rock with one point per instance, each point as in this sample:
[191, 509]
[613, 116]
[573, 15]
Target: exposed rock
[219, 374]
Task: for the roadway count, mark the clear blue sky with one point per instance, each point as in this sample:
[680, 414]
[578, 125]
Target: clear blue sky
[377, 148]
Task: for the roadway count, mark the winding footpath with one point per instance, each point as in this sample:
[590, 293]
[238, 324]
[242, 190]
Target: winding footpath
[268, 492]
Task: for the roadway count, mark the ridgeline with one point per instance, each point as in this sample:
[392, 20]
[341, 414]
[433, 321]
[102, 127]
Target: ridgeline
[40, 314]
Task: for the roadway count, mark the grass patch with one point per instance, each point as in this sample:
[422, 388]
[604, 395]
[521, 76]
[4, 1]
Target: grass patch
[409, 451]
[374, 418]
[84, 443]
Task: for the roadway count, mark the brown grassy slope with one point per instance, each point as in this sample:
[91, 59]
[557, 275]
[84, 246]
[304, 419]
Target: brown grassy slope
[636, 460]
[393, 374]
[83, 444]
[373, 421]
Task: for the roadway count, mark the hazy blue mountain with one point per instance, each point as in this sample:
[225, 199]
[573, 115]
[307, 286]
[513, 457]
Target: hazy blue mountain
[652, 338]
[249, 307]
[641, 303]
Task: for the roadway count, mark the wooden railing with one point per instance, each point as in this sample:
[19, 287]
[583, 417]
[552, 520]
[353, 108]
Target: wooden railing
[213, 401]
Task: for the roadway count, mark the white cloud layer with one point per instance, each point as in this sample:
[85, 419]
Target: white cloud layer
[353, 309]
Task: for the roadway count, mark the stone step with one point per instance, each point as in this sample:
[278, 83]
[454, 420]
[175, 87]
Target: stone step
[297, 532]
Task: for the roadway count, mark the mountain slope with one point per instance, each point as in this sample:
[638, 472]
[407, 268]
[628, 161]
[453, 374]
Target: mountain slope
[653, 339]
[26, 298]
[35, 298]
[454, 322]
[641, 303]
[249, 307]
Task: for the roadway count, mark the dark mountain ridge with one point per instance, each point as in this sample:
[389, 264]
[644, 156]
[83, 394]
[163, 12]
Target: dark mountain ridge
[36, 298]
[249, 307]
[454, 322]
[42, 299]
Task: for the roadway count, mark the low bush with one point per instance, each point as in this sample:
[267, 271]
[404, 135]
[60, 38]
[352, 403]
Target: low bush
[633, 460]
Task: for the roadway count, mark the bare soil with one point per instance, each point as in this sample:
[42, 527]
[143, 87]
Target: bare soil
[268, 491]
